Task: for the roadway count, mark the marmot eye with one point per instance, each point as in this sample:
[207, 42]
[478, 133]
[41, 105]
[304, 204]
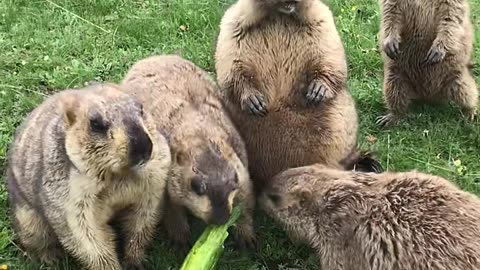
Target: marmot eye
[198, 186]
[97, 125]
[141, 110]
[274, 198]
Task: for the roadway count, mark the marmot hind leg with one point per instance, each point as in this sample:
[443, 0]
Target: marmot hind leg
[398, 94]
[463, 91]
[35, 236]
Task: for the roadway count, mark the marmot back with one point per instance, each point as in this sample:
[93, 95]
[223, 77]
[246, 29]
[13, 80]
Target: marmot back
[427, 49]
[210, 164]
[354, 220]
[79, 158]
[282, 67]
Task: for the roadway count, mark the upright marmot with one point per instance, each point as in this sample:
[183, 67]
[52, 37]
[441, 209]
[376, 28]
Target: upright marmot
[210, 167]
[283, 69]
[427, 49]
[79, 159]
[397, 221]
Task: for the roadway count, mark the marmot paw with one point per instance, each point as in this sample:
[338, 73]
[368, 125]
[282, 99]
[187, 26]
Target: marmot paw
[245, 241]
[255, 104]
[181, 246]
[317, 92]
[387, 120]
[391, 47]
[435, 55]
[471, 114]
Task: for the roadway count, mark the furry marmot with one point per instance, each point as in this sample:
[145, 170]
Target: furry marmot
[282, 67]
[427, 49]
[80, 158]
[210, 166]
[354, 220]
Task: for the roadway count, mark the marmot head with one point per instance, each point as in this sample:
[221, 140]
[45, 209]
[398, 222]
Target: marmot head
[306, 200]
[106, 130]
[282, 6]
[207, 178]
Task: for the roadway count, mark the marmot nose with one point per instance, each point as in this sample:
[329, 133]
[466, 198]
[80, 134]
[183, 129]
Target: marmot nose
[140, 148]
[220, 214]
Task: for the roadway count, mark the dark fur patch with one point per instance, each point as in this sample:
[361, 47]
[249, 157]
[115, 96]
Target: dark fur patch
[14, 192]
[140, 144]
[362, 162]
[219, 177]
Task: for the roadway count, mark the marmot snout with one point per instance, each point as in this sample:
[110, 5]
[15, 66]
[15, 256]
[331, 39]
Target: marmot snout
[140, 144]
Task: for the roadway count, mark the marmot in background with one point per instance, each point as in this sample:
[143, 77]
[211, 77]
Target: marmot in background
[210, 166]
[282, 67]
[80, 158]
[400, 221]
[427, 49]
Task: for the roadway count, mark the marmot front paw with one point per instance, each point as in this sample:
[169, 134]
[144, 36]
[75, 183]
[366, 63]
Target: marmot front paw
[391, 47]
[245, 240]
[317, 91]
[435, 55]
[254, 103]
[387, 120]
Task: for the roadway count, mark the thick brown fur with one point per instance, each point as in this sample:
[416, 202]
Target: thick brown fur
[81, 157]
[427, 48]
[284, 76]
[210, 173]
[388, 221]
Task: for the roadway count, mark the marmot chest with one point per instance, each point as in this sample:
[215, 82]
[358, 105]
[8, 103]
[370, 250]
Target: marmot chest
[277, 55]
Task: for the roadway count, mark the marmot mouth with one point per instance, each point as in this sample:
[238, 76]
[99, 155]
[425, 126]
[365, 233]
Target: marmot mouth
[288, 7]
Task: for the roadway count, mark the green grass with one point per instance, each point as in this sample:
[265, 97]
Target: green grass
[46, 47]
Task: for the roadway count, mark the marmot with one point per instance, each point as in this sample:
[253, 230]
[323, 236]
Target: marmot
[427, 49]
[282, 67]
[354, 220]
[81, 157]
[210, 166]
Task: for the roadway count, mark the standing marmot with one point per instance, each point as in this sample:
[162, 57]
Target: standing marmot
[283, 69]
[391, 221]
[80, 158]
[210, 171]
[427, 51]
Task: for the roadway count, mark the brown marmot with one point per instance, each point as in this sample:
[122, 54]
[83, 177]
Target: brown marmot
[355, 220]
[282, 67]
[81, 157]
[427, 49]
[210, 166]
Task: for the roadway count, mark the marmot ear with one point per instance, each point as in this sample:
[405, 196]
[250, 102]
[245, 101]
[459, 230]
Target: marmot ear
[70, 106]
[179, 157]
[303, 194]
